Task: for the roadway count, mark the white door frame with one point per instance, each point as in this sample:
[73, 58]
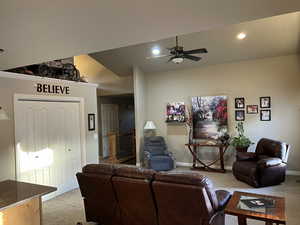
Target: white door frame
[25, 97]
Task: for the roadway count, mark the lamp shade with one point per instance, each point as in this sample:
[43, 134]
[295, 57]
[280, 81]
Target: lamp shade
[149, 126]
[3, 114]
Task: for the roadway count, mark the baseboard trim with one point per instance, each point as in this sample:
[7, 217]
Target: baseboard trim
[288, 172]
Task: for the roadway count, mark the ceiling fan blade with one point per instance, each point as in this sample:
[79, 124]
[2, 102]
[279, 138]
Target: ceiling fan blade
[192, 57]
[196, 51]
[156, 56]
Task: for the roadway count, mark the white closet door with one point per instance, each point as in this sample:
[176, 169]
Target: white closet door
[110, 123]
[48, 143]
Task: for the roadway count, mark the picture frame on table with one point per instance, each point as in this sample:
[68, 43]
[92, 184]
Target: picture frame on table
[239, 103]
[265, 115]
[91, 122]
[265, 102]
[252, 109]
[240, 115]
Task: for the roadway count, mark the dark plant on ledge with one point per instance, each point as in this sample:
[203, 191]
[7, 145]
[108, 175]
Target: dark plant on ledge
[241, 142]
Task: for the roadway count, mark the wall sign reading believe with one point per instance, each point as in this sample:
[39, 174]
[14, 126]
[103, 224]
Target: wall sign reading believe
[52, 89]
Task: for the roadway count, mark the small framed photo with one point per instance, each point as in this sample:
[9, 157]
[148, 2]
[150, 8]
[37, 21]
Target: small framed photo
[265, 102]
[252, 109]
[239, 115]
[265, 115]
[239, 103]
[91, 122]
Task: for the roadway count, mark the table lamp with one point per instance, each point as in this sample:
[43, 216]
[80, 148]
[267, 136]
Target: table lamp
[149, 129]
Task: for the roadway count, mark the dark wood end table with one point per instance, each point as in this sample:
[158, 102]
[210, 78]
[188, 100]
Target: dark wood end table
[193, 148]
[271, 215]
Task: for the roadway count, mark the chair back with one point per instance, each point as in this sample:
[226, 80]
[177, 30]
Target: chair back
[134, 194]
[184, 198]
[272, 148]
[97, 191]
[155, 145]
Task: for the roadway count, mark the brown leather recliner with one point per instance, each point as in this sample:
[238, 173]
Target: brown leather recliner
[98, 195]
[188, 198]
[264, 167]
[122, 195]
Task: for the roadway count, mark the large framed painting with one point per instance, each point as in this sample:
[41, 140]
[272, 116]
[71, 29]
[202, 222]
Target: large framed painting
[210, 118]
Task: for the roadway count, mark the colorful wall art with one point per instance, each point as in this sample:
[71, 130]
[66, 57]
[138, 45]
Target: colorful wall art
[210, 118]
[176, 112]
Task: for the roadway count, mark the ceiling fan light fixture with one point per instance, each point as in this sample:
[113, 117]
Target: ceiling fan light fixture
[155, 51]
[177, 60]
[1, 51]
[241, 36]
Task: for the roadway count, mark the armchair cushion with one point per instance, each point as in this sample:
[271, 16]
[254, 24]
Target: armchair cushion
[161, 162]
[223, 198]
[268, 162]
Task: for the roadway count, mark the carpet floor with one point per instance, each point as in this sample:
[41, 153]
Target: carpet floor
[68, 209]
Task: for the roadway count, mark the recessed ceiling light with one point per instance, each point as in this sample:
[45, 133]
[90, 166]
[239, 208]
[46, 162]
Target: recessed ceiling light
[155, 51]
[1, 51]
[241, 36]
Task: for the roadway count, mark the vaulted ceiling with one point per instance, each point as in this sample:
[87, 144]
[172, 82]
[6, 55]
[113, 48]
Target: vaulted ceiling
[35, 31]
[269, 37]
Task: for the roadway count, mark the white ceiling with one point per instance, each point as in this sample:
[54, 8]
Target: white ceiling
[34, 31]
[274, 36]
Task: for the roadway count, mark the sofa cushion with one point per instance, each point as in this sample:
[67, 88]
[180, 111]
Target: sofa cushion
[102, 168]
[189, 178]
[135, 172]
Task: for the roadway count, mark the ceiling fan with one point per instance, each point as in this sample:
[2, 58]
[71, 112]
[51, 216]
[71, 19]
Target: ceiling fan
[178, 54]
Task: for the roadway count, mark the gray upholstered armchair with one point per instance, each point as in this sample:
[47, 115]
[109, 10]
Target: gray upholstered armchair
[156, 155]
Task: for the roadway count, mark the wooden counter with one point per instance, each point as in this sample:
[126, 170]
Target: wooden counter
[20, 203]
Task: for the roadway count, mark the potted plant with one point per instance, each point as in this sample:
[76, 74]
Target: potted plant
[241, 142]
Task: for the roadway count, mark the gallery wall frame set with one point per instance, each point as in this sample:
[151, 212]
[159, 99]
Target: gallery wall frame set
[265, 108]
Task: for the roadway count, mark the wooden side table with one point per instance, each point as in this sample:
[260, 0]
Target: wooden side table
[193, 148]
[271, 215]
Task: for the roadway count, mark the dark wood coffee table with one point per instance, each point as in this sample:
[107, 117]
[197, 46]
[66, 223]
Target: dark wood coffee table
[273, 214]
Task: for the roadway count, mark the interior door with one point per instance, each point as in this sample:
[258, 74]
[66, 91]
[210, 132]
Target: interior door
[48, 143]
[110, 123]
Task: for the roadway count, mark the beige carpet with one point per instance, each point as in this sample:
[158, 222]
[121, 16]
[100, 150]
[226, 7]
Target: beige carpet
[67, 209]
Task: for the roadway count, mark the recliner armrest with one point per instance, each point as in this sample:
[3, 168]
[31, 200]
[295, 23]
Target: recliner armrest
[269, 162]
[245, 156]
[147, 155]
[223, 198]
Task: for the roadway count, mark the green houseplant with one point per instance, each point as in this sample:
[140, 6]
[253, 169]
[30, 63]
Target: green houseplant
[241, 142]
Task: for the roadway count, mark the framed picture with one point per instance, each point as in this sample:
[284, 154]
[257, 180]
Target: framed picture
[210, 117]
[175, 112]
[265, 102]
[252, 109]
[239, 103]
[265, 115]
[91, 122]
[239, 115]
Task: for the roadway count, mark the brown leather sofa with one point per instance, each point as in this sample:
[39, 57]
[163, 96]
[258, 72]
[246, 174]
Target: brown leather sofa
[128, 195]
[264, 167]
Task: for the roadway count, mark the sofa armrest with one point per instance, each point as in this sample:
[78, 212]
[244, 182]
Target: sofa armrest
[269, 162]
[223, 198]
[245, 156]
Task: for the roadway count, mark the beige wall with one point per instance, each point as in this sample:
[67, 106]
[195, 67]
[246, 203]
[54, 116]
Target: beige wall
[11, 86]
[278, 77]
[140, 104]
[109, 82]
